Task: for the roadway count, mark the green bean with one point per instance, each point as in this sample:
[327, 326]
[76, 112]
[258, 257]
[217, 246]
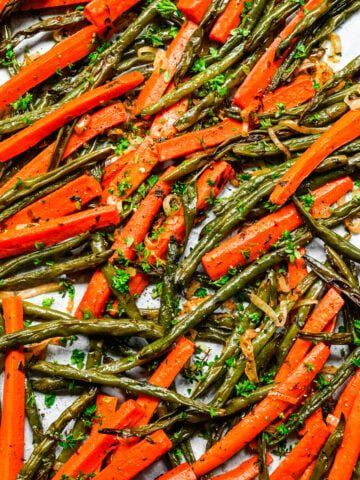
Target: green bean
[61, 142]
[189, 202]
[340, 265]
[57, 386]
[263, 148]
[262, 457]
[32, 412]
[346, 369]
[300, 318]
[52, 272]
[212, 334]
[90, 327]
[328, 338]
[168, 296]
[326, 115]
[78, 434]
[35, 258]
[347, 72]
[333, 239]
[41, 451]
[191, 50]
[134, 386]
[125, 299]
[238, 404]
[332, 278]
[231, 347]
[197, 160]
[31, 185]
[304, 23]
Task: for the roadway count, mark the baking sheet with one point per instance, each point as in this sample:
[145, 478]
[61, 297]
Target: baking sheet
[349, 33]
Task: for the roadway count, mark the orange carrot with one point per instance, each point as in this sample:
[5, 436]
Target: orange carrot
[165, 374]
[161, 77]
[181, 472]
[297, 270]
[105, 406]
[212, 182]
[349, 450]
[60, 56]
[138, 165]
[298, 92]
[348, 396]
[98, 122]
[193, 9]
[40, 4]
[228, 20]
[313, 421]
[13, 406]
[302, 455]
[102, 13]
[308, 471]
[67, 199]
[329, 306]
[261, 75]
[137, 458]
[346, 129]
[134, 232]
[98, 445]
[245, 471]
[30, 238]
[21, 141]
[198, 140]
[258, 238]
[264, 413]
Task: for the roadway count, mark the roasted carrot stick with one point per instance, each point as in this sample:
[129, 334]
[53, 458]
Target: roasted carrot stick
[55, 231]
[161, 77]
[297, 270]
[302, 455]
[347, 398]
[98, 445]
[13, 404]
[21, 141]
[98, 122]
[298, 92]
[102, 13]
[329, 306]
[60, 56]
[250, 242]
[261, 75]
[40, 4]
[139, 164]
[137, 458]
[182, 472]
[308, 471]
[105, 406]
[314, 421]
[193, 10]
[264, 413]
[245, 471]
[134, 232]
[60, 203]
[346, 129]
[228, 20]
[198, 140]
[165, 374]
[349, 450]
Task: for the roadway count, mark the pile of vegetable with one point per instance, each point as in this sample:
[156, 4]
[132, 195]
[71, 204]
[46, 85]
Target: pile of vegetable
[190, 152]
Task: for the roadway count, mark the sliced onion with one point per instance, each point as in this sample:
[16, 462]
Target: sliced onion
[58, 35]
[190, 305]
[283, 284]
[353, 103]
[32, 292]
[168, 204]
[352, 224]
[283, 148]
[194, 285]
[143, 51]
[329, 370]
[283, 314]
[306, 302]
[150, 243]
[336, 47]
[82, 124]
[300, 128]
[264, 307]
[248, 352]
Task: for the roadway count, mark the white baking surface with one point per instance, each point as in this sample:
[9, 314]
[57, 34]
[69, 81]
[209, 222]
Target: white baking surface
[349, 33]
